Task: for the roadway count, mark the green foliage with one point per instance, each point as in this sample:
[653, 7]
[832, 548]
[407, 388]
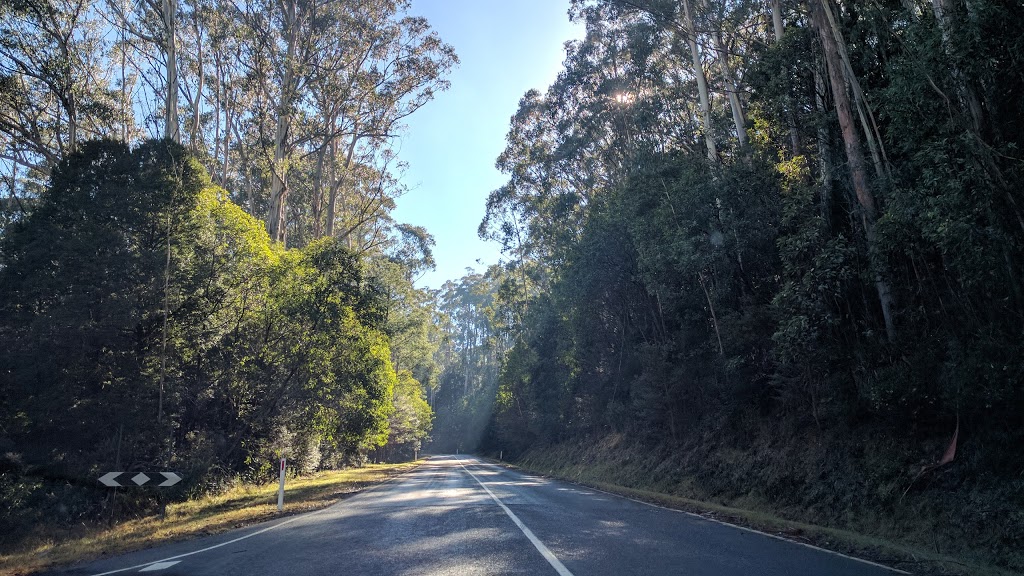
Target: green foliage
[696, 304]
[412, 418]
[151, 323]
[414, 339]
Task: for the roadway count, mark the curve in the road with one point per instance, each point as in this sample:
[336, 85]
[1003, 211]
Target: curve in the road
[451, 517]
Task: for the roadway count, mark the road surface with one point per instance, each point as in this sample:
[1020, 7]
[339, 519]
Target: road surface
[457, 515]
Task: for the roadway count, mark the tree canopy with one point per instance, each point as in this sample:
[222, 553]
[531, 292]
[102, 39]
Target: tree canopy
[151, 320]
[732, 224]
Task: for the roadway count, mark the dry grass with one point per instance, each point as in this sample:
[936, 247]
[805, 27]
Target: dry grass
[240, 506]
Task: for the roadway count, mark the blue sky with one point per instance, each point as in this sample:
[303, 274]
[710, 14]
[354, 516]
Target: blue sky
[505, 47]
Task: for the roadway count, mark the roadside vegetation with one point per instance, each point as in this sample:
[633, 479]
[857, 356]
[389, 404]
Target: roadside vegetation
[150, 324]
[766, 254]
[615, 465]
[237, 506]
[769, 255]
[199, 270]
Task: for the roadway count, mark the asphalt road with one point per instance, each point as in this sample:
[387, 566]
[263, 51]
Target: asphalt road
[456, 515]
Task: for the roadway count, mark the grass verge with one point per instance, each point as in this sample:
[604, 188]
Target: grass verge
[238, 507]
[893, 554]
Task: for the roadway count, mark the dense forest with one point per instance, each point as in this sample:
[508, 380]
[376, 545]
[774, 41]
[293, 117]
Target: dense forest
[199, 270]
[771, 253]
[757, 252]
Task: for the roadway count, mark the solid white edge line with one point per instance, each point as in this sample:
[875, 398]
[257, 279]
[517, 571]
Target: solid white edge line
[207, 549]
[716, 521]
[239, 539]
[544, 551]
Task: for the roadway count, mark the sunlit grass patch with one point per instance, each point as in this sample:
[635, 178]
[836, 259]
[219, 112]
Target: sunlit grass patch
[240, 506]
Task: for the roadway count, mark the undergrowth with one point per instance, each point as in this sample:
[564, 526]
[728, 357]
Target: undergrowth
[850, 493]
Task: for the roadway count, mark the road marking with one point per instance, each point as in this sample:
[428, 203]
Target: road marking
[207, 549]
[715, 520]
[775, 536]
[547, 554]
[159, 566]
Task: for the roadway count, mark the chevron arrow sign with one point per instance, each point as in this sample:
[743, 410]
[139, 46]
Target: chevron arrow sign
[140, 479]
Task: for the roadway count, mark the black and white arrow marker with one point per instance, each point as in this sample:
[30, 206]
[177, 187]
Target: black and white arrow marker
[171, 479]
[110, 479]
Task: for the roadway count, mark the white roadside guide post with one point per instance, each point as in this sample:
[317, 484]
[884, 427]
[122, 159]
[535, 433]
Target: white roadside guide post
[280, 490]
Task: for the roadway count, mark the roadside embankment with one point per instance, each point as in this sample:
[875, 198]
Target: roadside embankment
[930, 530]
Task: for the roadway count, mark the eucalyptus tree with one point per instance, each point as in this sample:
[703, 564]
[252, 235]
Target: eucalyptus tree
[152, 26]
[713, 34]
[840, 75]
[355, 70]
[367, 85]
[55, 91]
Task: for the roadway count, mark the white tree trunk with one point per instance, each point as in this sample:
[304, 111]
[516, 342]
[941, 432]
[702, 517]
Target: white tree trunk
[702, 81]
[732, 87]
[332, 205]
[867, 118]
[824, 148]
[780, 31]
[776, 8]
[169, 11]
[277, 216]
[195, 136]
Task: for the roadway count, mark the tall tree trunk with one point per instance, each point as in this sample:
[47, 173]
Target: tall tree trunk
[824, 147]
[780, 31]
[226, 163]
[125, 103]
[332, 192]
[170, 14]
[318, 192]
[245, 173]
[227, 137]
[219, 107]
[867, 118]
[277, 216]
[776, 8]
[69, 101]
[332, 204]
[968, 97]
[702, 80]
[714, 317]
[738, 117]
[72, 107]
[194, 134]
[731, 85]
[854, 153]
[229, 128]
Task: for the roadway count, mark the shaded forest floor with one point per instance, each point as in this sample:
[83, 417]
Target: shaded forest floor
[932, 529]
[243, 505]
